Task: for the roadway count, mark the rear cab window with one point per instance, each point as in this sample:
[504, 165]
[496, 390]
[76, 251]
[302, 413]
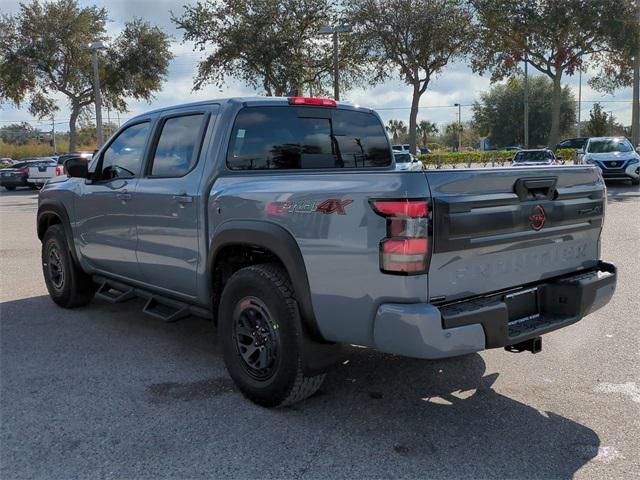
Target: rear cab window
[282, 137]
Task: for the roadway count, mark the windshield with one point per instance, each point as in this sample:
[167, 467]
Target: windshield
[541, 156]
[402, 157]
[610, 146]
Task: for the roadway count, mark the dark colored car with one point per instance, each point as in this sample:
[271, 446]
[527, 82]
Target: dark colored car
[576, 143]
[15, 176]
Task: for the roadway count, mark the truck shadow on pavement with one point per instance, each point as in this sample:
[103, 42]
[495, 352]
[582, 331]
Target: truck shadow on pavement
[135, 397]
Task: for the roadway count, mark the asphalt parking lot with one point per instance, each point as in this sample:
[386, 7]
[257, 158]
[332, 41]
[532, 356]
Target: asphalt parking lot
[105, 391]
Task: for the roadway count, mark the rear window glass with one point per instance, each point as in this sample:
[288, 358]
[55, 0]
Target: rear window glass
[265, 138]
[533, 156]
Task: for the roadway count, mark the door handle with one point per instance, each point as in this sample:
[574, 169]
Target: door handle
[183, 198]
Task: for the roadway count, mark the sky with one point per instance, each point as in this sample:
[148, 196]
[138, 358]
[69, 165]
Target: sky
[456, 84]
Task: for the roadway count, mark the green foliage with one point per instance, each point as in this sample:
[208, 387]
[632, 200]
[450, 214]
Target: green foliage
[17, 133]
[42, 54]
[598, 123]
[555, 36]
[500, 113]
[478, 158]
[273, 45]
[38, 149]
[417, 37]
[397, 129]
[424, 130]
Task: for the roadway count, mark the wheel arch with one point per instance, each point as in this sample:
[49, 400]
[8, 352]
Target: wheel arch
[277, 241]
[52, 212]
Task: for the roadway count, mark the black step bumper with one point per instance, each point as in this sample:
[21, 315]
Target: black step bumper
[512, 317]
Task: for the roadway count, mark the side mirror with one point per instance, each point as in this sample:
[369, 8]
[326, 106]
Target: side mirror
[77, 167]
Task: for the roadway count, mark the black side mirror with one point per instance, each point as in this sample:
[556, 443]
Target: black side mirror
[77, 167]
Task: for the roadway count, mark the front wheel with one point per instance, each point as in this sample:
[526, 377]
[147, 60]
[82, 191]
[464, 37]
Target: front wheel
[261, 337]
[67, 284]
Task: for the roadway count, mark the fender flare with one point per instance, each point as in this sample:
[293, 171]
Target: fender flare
[56, 208]
[279, 241]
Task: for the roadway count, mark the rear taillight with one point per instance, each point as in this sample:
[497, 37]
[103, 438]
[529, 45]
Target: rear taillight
[312, 101]
[405, 249]
[59, 170]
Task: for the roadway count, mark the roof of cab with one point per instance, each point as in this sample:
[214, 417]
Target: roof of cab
[247, 101]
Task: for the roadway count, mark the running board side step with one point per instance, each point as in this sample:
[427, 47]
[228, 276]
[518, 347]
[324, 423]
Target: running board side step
[165, 311]
[113, 294]
[157, 305]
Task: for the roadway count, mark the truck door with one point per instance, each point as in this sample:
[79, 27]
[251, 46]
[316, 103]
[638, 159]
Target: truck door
[168, 203]
[104, 207]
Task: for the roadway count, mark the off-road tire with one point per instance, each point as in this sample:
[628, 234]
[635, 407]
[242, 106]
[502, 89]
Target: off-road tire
[270, 285]
[75, 288]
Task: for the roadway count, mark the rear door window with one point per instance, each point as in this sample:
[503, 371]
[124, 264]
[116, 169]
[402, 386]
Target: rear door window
[177, 149]
[265, 138]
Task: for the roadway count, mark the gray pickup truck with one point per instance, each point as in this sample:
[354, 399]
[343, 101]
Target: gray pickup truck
[284, 221]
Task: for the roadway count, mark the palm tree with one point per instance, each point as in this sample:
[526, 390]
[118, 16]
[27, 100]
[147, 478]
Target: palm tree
[426, 128]
[396, 129]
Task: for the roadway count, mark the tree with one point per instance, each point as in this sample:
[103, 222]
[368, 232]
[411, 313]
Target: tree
[417, 37]
[42, 54]
[273, 45]
[500, 112]
[397, 129]
[554, 37]
[599, 122]
[426, 128]
[18, 133]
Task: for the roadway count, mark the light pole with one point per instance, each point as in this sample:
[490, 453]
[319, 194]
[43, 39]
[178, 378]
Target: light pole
[579, 100]
[334, 30]
[635, 109]
[94, 47]
[526, 100]
[459, 126]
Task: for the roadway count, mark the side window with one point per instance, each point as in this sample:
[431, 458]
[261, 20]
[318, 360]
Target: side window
[177, 149]
[122, 159]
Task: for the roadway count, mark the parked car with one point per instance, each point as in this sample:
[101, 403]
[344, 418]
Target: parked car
[615, 157]
[15, 176]
[284, 221]
[424, 150]
[577, 143]
[406, 161]
[404, 148]
[42, 170]
[511, 148]
[531, 157]
[85, 156]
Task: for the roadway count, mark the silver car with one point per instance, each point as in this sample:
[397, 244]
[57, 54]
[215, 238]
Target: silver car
[407, 161]
[615, 157]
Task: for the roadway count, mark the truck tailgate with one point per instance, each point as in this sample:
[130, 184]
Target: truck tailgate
[42, 172]
[495, 229]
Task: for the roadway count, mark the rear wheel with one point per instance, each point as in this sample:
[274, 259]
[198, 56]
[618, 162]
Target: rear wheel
[261, 335]
[67, 284]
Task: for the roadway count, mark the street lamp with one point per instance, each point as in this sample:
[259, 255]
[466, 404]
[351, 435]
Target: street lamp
[459, 126]
[94, 47]
[334, 30]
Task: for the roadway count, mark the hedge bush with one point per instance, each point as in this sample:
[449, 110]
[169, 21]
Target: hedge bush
[16, 152]
[499, 157]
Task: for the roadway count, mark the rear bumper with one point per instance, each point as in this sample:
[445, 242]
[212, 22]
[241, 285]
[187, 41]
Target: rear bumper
[426, 331]
[38, 181]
